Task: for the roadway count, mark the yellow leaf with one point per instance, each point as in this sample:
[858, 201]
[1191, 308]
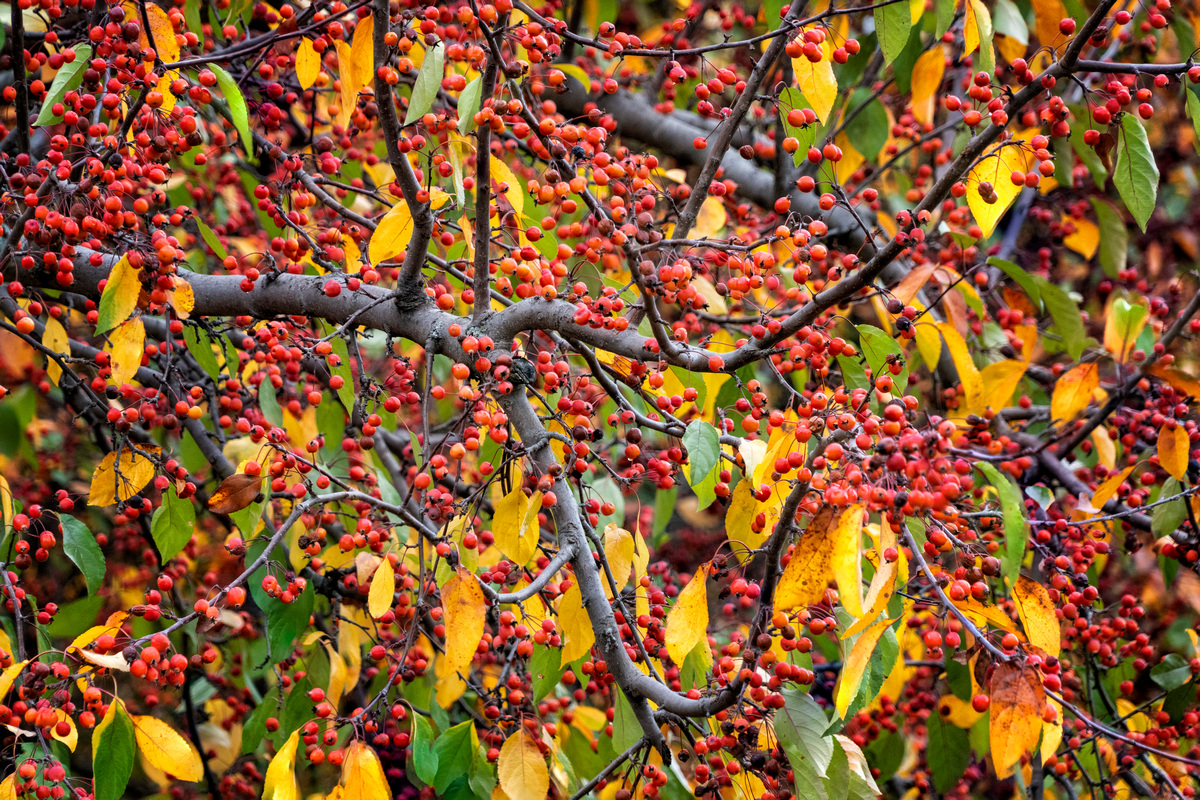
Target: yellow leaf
[817, 82]
[362, 774]
[1173, 451]
[1122, 327]
[6, 504]
[121, 292]
[515, 194]
[395, 229]
[968, 374]
[465, 608]
[161, 29]
[166, 749]
[280, 782]
[182, 298]
[308, 63]
[71, 737]
[1018, 700]
[9, 675]
[1048, 14]
[929, 343]
[996, 168]
[847, 559]
[131, 473]
[971, 25]
[110, 626]
[521, 769]
[1177, 378]
[126, 347]
[346, 81]
[1073, 392]
[54, 337]
[810, 567]
[8, 789]
[983, 614]
[362, 52]
[1105, 491]
[997, 382]
[711, 218]
[577, 633]
[958, 713]
[851, 159]
[383, 588]
[883, 584]
[515, 525]
[856, 664]
[1086, 238]
[687, 622]
[618, 551]
[1106, 451]
[1037, 615]
[741, 518]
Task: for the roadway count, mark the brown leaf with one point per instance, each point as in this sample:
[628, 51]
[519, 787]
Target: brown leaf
[235, 493]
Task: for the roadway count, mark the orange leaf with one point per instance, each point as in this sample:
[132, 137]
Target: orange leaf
[1173, 451]
[1018, 701]
[1074, 391]
[235, 493]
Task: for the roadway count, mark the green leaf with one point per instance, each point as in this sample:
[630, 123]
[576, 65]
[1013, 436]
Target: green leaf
[1007, 19]
[80, 545]
[75, 617]
[191, 15]
[68, 79]
[1135, 174]
[268, 403]
[1019, 277]
[468, 104]
[626, 729]
[1168, 516]
[113, 751]
[948, 753]
[773, 11]
[1172, 672]
[284, 621]
[703, 444]
[800, 729]
[424, 758]
[1193, 109]
[342, 370]
[876, 347]
[892, 24]
[1016, 530]
[945, 17]
[806, 135]
[238, 109]
[1087, 154]
[172, 525]
[868, 130]
[1114, 238]
[958, 678]
[1066, 316]
[255, 728]
[199, 345]
[545, 669]
[853, 374]
[664, 508]
[429, 81]
[210, 238]
[455, 751]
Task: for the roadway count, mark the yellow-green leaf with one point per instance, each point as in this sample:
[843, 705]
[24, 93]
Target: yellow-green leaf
[383, 588]
[856, 664]
[465, 608]
[687, 622]
[166, 749]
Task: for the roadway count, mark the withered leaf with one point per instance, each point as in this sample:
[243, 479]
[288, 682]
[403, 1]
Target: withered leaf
[235, 493]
